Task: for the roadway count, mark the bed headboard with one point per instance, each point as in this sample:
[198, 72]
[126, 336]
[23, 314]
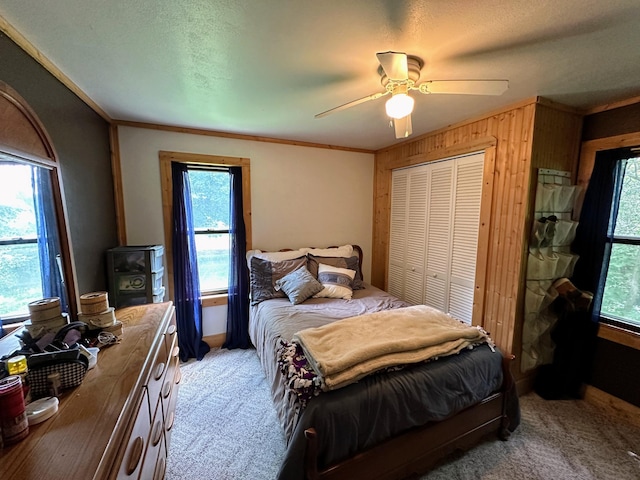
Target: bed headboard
[357, 250]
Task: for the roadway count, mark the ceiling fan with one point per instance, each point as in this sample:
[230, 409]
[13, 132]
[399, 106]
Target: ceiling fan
[399, 74]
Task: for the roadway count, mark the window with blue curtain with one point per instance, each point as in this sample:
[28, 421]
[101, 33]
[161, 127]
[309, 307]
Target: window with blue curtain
[186, 282]
[608, 239]
[238, 303]
[30, 248]
[208, 223]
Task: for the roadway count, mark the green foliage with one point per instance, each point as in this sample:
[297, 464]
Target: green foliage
[210, 195]
[19, 264]
[622, 288]
[628, 221]
[19, 278]
[210, 192]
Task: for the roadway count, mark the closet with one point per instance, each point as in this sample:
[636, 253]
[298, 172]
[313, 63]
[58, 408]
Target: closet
[433, 241]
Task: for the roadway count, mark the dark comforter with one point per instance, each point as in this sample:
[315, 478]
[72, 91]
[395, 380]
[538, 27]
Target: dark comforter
[378, 407]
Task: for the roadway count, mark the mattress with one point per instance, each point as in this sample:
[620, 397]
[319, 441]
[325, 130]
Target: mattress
[379, 406]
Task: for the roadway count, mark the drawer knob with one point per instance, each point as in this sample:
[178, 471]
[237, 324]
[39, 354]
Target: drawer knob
[171, 330]
[157, 433]
[159, 370]
[166, 389]
[160, 469]
[170, 420]
[175, 352]
[135, 453]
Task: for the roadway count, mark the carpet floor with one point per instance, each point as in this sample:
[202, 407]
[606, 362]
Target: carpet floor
[227, 429]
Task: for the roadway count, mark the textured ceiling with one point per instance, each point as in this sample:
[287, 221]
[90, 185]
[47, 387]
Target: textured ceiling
[264, 68]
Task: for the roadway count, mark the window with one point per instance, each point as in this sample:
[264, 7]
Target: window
[209, 179]
[35, 255]
[20, 274]
[31, 265]
[621, 296]
[210, 201]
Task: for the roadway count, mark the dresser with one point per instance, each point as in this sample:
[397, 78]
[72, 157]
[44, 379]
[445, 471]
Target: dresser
[117, 424]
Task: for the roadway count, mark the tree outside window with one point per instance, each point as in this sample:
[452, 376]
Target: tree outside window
[210, 191]
[20, 272]
[621, 297]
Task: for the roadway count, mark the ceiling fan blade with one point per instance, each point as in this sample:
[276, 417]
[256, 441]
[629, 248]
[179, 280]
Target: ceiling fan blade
[402, 126]
[394, 65]
[465, 87]
[353, 103]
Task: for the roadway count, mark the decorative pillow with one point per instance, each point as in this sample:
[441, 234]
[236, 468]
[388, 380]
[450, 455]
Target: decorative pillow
[299, 285]
[343, 251]
[336, 282]
[265, 274]
[351, 263]
[274, 256]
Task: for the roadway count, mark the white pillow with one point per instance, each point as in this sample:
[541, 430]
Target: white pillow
[274, 256]
[343, 251]
[336, 282]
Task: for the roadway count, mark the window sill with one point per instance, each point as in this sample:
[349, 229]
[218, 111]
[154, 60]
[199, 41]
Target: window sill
[11, 327]
[214, 300]
[619, 335]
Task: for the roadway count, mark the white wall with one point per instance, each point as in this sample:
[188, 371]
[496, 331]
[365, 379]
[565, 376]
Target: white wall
[300, 196]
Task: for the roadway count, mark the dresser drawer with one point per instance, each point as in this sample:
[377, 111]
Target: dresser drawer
[134, 453]
[170, 410]
[158, 373]
[169, 379]
[171, 334]
[155, 447]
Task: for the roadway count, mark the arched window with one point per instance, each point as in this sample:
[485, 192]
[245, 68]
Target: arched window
[35, 254]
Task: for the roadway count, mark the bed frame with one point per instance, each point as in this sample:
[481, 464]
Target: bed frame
[417, 450]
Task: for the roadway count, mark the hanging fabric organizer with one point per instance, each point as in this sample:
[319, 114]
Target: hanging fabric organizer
[549, 259]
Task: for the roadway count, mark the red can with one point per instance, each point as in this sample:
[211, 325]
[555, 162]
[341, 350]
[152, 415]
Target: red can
[14, 424]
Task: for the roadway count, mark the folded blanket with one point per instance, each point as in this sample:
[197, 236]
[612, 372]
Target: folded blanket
[347, 350]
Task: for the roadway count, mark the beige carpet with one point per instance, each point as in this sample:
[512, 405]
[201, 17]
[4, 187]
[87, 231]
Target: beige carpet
[226, 429]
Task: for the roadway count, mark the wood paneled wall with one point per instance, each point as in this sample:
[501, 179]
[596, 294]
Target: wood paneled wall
[532, 134]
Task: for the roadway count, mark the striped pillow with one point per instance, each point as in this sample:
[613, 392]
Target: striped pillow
[336, 282]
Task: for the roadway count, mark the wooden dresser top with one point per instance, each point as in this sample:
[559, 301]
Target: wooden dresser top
[92, 418]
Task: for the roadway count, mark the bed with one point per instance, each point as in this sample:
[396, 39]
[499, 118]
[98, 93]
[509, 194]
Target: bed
[394, 423]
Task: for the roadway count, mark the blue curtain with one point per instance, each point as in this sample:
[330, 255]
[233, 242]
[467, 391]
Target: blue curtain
[576, 332]
[186, 283]
[238, 303]
[597, 223]
[48, 239]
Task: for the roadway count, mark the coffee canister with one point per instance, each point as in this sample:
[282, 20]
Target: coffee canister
[13, 417]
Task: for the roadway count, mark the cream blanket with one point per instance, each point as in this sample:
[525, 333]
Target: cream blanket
[347, 350]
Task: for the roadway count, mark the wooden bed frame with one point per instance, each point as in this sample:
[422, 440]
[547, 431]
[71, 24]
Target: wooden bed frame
[417, 450]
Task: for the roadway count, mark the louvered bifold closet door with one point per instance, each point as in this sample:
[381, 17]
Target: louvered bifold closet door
[466, 218]
[398, 232]
[438, 248]
[415, 240]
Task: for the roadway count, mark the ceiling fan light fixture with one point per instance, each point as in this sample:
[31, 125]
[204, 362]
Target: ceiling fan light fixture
[399, 105]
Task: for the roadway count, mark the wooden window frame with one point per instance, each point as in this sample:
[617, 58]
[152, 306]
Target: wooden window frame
[588, 153]
[28, 142]
[195, 159]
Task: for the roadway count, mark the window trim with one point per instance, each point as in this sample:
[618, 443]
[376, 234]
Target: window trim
[612, 239]
[209, 231]
[589, 150]
[31, 144]
[195, 159]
